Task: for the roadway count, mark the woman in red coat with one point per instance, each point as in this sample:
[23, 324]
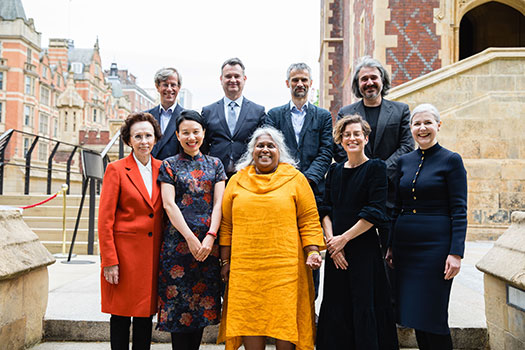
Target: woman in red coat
[130, 233]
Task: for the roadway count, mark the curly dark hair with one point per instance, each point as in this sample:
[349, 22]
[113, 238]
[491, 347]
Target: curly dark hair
[125, 130]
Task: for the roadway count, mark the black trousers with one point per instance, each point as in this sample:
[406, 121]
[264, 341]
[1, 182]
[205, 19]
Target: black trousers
[432, 341]
[119, 332]
[187, 340]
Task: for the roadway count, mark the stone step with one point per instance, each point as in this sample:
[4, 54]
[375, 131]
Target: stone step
[98, 331]
[55, 221]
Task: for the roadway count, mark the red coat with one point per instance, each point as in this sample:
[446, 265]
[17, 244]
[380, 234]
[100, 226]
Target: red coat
[130, 235]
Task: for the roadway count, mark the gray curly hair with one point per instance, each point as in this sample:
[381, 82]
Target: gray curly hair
[277, 137]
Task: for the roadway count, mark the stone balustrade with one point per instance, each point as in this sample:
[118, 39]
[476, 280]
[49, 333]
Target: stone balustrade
[23, 282]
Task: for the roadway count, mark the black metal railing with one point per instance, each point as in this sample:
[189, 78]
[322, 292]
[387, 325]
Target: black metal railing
[5, 139]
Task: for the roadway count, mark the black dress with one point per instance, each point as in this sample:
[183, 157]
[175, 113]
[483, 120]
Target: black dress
[431, 210]
[356, 311]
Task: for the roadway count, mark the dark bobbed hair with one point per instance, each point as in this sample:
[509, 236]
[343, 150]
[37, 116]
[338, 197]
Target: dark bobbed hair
[367, 61]
[341, 124]
[125, 129]
[189, 114]
[233, 62]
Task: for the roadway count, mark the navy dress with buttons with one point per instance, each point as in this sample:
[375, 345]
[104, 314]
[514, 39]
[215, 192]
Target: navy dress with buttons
[431, 212]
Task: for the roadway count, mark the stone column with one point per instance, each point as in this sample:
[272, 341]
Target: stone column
[24, 282]
[504, 268]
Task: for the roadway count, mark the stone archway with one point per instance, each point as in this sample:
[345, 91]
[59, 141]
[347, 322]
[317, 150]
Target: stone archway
[492, 24]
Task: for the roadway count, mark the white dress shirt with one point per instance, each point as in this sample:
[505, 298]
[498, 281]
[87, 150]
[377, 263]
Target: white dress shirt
[237, 108]
[145, 172]
[165, 117]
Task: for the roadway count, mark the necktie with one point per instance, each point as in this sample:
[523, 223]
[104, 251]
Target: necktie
[232, 118]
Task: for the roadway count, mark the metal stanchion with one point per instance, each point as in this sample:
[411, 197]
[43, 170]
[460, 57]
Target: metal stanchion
[63, 254]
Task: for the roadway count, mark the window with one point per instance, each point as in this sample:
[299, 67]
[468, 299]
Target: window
[1, 112]
[58, 80]
[94, 115]
[1, 80]
[42, 150]
[77, 67]
[29, 85]
[55, 127]
[44, 96]
[28, 115]
[26, 146]
[29, 55]
[65, 121]
[43, 120]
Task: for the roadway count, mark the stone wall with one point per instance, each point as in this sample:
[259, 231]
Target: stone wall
[482, 104]
[23, 282]
[504, 266]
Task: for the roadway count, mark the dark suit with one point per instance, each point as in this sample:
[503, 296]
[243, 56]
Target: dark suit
[314, 150]
[219, 142]
[392, 137]
[168, 145]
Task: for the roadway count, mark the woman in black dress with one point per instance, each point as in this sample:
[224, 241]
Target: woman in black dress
[356, 311]
[428, 236]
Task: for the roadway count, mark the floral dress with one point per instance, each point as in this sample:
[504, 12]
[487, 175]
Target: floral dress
[189, 291]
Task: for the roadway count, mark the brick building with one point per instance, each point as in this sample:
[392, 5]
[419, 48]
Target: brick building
[411, 37]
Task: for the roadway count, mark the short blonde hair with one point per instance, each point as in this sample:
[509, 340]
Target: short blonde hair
[341, 124]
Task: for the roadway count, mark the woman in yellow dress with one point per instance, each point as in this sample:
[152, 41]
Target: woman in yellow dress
[270, 237]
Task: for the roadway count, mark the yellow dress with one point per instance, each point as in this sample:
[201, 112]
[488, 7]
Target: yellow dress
[267, 220]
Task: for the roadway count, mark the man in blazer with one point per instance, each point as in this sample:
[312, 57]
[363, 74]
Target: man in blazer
[307, 131]
[231, 120]
[390, 123]
[168, 82]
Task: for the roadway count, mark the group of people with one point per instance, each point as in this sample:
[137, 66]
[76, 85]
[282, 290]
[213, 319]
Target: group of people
[221, 216]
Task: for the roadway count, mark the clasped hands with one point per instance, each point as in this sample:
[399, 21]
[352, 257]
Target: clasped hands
[335, 247]
[200, 250]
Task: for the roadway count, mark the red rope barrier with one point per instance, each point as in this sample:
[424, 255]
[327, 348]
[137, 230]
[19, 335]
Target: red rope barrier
[42, 202]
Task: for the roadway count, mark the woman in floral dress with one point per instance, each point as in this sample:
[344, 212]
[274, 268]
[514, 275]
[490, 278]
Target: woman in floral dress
[192, 186]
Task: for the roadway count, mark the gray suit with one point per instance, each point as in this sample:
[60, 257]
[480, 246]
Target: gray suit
[219, 142]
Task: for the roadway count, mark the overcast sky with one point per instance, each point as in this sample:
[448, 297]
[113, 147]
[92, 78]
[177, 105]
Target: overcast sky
[194, 36]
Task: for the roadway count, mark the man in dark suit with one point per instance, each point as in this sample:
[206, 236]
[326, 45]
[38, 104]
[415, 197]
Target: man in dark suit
[231, 120]
[167, 82]
[390, 123]
[307, 131]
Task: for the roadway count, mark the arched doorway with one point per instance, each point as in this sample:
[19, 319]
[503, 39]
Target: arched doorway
[492, 24]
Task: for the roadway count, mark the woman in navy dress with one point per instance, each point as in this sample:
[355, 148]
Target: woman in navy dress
[192, 186]
[428, 236]
[356, 312]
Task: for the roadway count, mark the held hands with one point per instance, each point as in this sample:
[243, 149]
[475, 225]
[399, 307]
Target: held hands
[206, 245]
[336, 244]
[111, 274]
[452, 266]
[200, 250]
[314, 260]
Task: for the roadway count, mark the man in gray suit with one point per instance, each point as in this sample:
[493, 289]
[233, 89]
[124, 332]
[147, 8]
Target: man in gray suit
[167, 82]
[231, 120]
[390, 123]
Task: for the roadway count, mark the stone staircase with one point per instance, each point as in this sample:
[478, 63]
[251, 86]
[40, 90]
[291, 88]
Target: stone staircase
[46, 220]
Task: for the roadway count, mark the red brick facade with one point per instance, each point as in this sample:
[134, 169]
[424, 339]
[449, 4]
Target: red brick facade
[336, 57]
[417, 51]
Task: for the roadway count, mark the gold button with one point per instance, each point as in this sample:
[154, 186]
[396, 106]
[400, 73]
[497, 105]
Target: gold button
[414, 211]
[414, 181]
[414, 197]
[420, 165]
[422, 158]
[413, 190]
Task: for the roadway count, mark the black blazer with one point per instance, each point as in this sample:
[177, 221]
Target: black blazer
[219, 142]
[393, 137]
[168, 145]
[314, 150]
